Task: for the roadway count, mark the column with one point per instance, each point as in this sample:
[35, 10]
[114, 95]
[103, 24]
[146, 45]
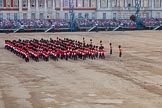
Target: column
[53, 10]
[152, 8]
[152, 3]
[4, 3]
[98, 4]
[20, 9]
[29, 10]
[109, 4]
[98, 16]
[89, 3]
[109, 9]
[142, 3]
[61, 9]
[37, 10]
[45, 9]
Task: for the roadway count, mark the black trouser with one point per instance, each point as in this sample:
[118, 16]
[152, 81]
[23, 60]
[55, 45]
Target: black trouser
[120, 54]
[110, 51]
[26, 59]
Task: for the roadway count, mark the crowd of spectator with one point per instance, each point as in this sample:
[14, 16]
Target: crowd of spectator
[152, 22]
[59, 23]
[9, 24]
[105, 23]
[32, 24]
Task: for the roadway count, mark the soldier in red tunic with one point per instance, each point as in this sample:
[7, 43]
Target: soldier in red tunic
[120, 51]
[110, 49]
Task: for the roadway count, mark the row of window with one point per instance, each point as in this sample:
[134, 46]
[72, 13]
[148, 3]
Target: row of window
[79, 15]
[66, 15]
[14, 4]
[83, 3]
[41, 3]
[8, 16]
[82, 15]
[130, 3]
[42, 15]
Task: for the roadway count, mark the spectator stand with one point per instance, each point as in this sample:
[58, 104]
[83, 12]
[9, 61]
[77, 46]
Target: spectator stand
[153, 23]
[61, 25]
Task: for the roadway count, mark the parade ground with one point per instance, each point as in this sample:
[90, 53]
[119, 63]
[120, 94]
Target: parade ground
[132, 81]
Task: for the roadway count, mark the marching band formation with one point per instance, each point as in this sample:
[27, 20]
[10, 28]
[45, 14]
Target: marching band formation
[55, 49]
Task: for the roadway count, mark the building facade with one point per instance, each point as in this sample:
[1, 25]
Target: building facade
[90, 9]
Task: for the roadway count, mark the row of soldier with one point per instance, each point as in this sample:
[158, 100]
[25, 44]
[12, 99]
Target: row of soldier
[60, 48]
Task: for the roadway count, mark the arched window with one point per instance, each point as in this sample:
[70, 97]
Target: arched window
[49, 3]
[122, 2]
[41, 3]
[86, 3]
[93, 3]
[66, 3]
[103, 3]
[32, 3]
[157, 3]
[24, 3]
[73, 1]
[15, 3]
[8, 2]
[114, 3]
[80, 3]
[58, 3]
[130, 3]
[146, 3]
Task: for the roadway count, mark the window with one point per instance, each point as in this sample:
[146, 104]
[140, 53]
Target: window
[8, 16]
[33, 16]
[58, 3]
[49, 3]
[24, 15]
[8, 2]
[15, 16]
[86, 3]
[66, 3]
[41, 3]
[157, 3]
[49, 15]
[114, 4]
[80, 15]
[1, 15]
[146, 3]
[93, 15]
[33, 3]
[141, 3]
[15, 3]
[57, 15]
[66, 16]
[117, 3]
[157, 14]
[73, 1]
[114, 15]
[93, 3]
[24, 3]
[103, 3]
[130, 4]
[80, 3]
[104, 15]
[41, 16]
[1, 3]
[122, 2]
[134, 3]
[87, 15]
[146, 15]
